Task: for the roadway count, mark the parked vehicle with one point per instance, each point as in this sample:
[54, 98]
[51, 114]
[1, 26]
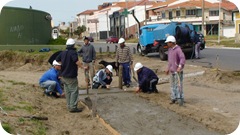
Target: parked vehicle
[112, 39]
[152, 38]
[91, 39]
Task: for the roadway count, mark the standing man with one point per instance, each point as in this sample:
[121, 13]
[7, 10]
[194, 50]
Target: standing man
[50, 81]
[69, 72]
[88, 54]
[147, 79]
[124, 58]
[195, 37]
[176, 61]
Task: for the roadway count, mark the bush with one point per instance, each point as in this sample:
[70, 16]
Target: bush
[58, 41]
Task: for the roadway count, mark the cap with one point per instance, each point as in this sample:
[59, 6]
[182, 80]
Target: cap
[70, 41]
[171, 39]
[121, 40]
[110, 68]
[55, 63]
[138, 66]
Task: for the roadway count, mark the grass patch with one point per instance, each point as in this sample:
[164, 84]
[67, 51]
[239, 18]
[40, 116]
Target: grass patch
[1, 96]
[27, 108]
[7, 128]
[16, 83]
[41, 128]
[1, 81]
[9, 108]
[133, 40]
[225, 43]
[34, 48]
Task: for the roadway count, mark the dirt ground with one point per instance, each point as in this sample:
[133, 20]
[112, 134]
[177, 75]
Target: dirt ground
[212, 99]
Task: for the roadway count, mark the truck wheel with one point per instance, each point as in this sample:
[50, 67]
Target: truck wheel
[162, 54]
[139, 50]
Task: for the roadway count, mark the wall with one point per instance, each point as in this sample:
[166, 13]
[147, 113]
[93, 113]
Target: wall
[24, 26]
[228, 31]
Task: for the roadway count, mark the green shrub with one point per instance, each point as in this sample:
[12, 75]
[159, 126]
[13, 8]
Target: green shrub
[58, 41]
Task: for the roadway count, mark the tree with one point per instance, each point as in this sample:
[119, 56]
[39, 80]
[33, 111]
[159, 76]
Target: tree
[80, 30]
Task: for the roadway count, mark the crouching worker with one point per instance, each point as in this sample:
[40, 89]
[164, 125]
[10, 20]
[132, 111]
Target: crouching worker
[103, 78]
[50, 81]
[147, 79]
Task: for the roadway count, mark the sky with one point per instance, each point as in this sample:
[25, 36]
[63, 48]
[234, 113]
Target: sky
[60, 10]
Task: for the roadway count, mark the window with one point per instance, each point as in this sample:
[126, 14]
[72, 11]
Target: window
[163, 15]
[170, 15]
[214, 13]
[178, 13]
[191, 12]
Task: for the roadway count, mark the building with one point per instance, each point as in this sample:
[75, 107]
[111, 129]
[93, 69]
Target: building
[190, 11]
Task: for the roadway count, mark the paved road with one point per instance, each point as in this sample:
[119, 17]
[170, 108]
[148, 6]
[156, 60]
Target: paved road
[222, 58]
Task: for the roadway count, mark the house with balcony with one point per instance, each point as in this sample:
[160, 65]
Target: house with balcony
[190, 11]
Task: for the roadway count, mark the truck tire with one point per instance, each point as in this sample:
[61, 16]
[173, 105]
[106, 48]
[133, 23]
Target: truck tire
[139, 50]
[162, 54]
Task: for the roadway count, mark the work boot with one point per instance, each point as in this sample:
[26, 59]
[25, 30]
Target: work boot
[172, 101]
[75, 110]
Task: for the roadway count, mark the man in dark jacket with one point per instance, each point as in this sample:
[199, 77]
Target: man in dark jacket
[147, 79]
[69, 73]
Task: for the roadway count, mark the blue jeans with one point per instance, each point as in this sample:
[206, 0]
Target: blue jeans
[49, 85]
[126, 73]
[176, 82]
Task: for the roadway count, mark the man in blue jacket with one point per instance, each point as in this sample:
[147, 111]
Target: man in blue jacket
[50, 81]
[147, 79]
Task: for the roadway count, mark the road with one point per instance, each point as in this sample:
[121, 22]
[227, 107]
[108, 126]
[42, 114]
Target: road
[221, 58]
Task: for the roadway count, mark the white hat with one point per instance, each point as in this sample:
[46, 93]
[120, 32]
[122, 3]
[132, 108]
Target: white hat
[110, 68]
[121, 40]
[70, 41]
[170, 39]
[138, 66]
[55, 63]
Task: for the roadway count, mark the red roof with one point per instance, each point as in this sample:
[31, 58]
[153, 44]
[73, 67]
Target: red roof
[87, 12]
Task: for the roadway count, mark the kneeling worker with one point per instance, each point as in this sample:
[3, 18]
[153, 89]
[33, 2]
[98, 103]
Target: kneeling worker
[147, 79]
[50, 81]
[103, 78]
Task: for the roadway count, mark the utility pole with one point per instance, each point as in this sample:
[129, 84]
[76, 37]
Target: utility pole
[107, 25]
[127, 20]
[145, 9]
[219, 21]
[203, 16]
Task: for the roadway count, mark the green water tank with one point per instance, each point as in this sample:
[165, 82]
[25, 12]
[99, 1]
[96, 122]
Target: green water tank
[19, 26]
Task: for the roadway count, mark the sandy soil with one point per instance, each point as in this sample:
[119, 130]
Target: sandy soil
[212, 102]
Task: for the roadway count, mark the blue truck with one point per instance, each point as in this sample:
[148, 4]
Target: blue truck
[152, 38]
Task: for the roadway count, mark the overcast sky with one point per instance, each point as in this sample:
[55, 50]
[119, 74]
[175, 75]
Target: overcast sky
[60, 10]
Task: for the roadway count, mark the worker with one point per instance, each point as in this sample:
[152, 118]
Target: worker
[50, 81]
[124, 58]
[176, 61]
[103, 78]
[147, 79]
[88, 54]
[69, 73]
[195, 38]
